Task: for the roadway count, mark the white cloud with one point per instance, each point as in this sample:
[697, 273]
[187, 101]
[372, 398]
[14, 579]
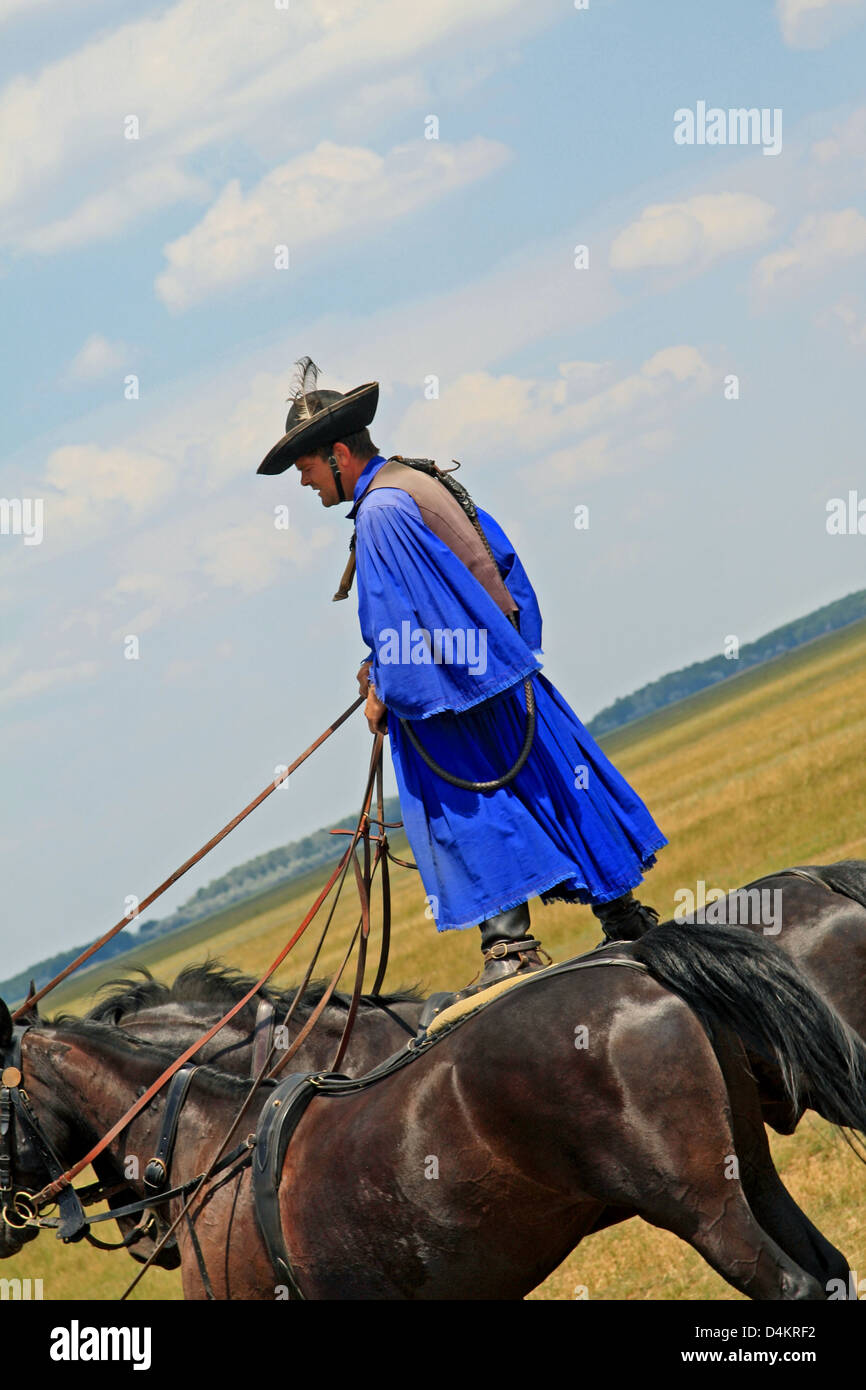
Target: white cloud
[695, 231]
[372, 104]
[583, 379]
[229, 544]
[307, 201]
[86, 484]
[483, 417]
[105, 214]
[815, 23]
[249, 556]
[821, 241]
[10, 8]
[215, 75]
[31, 683]
[847, 141]
[10, 657]
[852, 316]
[97, 358]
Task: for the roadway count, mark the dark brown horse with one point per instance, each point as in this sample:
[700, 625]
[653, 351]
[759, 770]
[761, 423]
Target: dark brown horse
[472, 1172]
[819, 919]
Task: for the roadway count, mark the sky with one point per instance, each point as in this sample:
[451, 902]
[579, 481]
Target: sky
[569, 266]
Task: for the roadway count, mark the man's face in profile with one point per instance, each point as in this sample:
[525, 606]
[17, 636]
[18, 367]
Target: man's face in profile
[316, 473]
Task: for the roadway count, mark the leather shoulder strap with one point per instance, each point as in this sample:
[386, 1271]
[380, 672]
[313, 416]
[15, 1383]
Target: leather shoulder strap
[444, 516]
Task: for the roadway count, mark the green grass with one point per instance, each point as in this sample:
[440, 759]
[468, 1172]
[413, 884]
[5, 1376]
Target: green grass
[760, 773]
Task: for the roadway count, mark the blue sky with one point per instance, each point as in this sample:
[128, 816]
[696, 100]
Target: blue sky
[408, 258]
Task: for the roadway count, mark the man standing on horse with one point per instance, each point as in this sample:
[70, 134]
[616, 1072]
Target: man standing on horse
[504, 794]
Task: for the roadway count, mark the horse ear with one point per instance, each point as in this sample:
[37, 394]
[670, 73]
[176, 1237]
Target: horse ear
[5, 1025]
[32, 1015]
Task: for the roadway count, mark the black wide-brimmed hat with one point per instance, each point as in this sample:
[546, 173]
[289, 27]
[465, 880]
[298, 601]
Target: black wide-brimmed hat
[318, 418]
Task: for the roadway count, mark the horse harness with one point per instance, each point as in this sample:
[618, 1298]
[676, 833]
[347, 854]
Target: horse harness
[16, 1204]
[17, 1207]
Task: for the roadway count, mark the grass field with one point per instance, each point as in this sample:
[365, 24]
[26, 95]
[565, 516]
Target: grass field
[764, 772]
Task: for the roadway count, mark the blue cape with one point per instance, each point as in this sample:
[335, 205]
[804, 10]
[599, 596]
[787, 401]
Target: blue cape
[445, 658]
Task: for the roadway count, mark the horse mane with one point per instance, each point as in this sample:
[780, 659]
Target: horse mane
[118, 1042]
[212, 982]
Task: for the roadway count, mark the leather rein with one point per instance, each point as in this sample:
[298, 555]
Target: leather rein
[20, 1208]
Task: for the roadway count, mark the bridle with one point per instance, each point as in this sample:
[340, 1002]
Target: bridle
[23, 1140]
[21, 1134]
[20, 1130]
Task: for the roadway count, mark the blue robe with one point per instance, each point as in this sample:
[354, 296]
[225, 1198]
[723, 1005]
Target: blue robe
[568, 826]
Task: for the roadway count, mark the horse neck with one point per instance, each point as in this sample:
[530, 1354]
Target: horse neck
[177, 1026]
[81, 1083]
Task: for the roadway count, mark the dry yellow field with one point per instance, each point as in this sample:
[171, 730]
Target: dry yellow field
[761, 773]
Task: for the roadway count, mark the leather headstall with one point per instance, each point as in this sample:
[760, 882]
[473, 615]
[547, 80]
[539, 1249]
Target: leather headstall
[157, 1168]
[27, 1146]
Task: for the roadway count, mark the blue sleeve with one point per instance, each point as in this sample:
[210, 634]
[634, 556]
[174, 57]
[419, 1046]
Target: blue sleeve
[439, 641]
[516, 579]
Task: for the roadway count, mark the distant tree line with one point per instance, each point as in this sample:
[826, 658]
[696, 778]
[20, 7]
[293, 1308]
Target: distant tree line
[257, 875]
[702, 674]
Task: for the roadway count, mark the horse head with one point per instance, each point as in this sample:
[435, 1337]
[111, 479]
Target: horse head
[21, 1173]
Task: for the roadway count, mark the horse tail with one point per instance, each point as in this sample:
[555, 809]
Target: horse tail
[729, 976]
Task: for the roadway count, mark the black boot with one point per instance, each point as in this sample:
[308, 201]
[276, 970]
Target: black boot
[508, 949]
[625, 919]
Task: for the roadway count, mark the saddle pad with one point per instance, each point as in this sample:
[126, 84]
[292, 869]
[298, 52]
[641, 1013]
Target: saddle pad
[464, 1007]
[478, 1001]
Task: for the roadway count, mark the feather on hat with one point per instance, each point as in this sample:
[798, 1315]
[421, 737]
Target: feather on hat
[318, 418]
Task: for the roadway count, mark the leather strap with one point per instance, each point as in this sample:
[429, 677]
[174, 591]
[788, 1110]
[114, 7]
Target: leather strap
[263, 1038]
[156, 1169]
[335, 470]
[15, 1101]
[202, 1267]
[277, 1122]
[501, 949]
